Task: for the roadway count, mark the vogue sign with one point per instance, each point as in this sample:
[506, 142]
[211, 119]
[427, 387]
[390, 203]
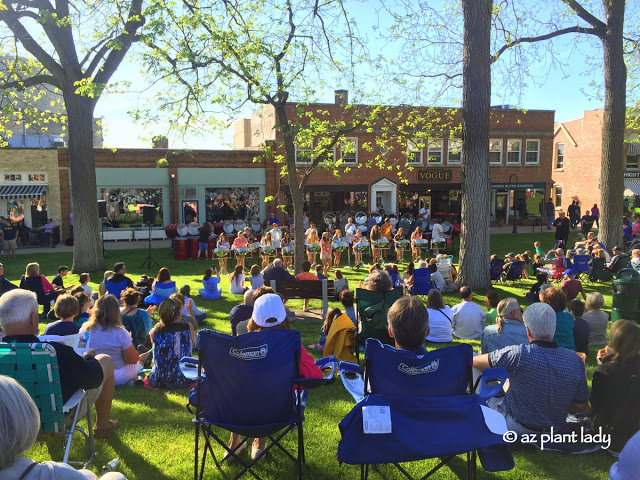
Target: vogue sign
[434, 175]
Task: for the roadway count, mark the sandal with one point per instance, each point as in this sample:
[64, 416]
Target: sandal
[104, 432]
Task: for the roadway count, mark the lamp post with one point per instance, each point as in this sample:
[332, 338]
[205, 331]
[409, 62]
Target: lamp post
[515, 216]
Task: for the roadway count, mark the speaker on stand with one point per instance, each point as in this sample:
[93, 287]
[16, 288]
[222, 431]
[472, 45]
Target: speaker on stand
[149, 218]
[102, 213]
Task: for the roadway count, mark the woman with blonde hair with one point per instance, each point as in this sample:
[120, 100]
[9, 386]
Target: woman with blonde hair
[508, 330]
[102, 288]
[596, 318]
[109, 336]
[325, 251]
[614, 388]
[19, 428]
[311, 239]
[34, 282]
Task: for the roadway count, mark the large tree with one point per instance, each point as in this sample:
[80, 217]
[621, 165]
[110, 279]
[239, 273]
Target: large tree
[74, 48]
[261, 53]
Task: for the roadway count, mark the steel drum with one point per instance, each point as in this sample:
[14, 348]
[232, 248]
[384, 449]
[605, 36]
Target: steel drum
[340, 245]
[171, 231]
[377, 217]
[192, 228]
[255, 226]
[268, 250]
[277, 244]
[180, 249]
[407, 216]
[446, 226]
[393, 219]
[362, 228]
[313, 247]
[239, 225]
[361, 218]
[287, 250]
[228, 227]
[421, 243]
[242, 251]
[382, 243]
[221, 252]
[183, 230]
[330, 218]
[254, 246]
[361, 246]
[401, 244]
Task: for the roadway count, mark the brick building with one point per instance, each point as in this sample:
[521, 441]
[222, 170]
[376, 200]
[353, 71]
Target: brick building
[577, 162]
[521, 144]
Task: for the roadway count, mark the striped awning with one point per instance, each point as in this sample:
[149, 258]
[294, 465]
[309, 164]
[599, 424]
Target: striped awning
[633, 149]
[21, 191]
[632, 187]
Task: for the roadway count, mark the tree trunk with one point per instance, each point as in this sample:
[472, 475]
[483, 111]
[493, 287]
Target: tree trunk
[87, 248]
[613, 160]
[476, 183]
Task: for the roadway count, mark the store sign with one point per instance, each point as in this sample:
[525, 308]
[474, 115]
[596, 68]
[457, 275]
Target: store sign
[631, 174]
[434, 175]
[521, 186]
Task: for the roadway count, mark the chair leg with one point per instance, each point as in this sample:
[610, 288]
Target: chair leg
[195, 463]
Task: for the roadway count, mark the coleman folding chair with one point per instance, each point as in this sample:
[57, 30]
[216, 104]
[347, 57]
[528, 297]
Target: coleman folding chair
[421, 283]
[249, 385]
[514, 272]
[423, 410]
[35, 367]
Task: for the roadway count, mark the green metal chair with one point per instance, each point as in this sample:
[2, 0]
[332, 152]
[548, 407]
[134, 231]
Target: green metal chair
[35, 367]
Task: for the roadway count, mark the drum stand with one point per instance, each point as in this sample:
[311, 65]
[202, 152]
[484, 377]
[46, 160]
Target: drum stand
[149, 258]
[105, 251]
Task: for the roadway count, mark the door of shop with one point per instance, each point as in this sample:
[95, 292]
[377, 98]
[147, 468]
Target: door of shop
[501, 205]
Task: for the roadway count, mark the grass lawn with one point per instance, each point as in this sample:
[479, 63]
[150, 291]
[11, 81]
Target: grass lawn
[155, 438]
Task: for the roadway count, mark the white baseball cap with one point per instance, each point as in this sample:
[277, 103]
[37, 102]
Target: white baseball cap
[267, 308]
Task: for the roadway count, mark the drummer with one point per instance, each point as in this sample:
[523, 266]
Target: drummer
[267, 241]
[247, 233]
[223, 242]
[415, 250]
[337, 237]
[286, 256]
[357, 254]
[325, 251]
[374, 237]
[399, 249]
[204, 232]
[240, 242]
[312, 237]
[350, 230]
[276, 237]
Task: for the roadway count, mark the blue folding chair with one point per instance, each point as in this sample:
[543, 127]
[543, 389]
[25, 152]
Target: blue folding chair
[495, 267]
[421, 283]
[162, 292]
[580, 265]
[514, 272]
[425, 394]
[251, 386]
[115, 288]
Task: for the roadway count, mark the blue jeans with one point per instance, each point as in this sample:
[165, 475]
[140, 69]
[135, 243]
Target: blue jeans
[550, 219]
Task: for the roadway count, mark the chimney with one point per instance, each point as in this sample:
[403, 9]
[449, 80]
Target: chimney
[342, 97]
[160, 141]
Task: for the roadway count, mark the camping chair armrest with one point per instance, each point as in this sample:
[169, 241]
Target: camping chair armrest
[189, 368]
[309, 383]
[74, 401]
[491, 382]
[328, 365]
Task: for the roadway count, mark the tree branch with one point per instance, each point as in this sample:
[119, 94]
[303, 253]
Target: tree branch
[30, 82]
[586, 16]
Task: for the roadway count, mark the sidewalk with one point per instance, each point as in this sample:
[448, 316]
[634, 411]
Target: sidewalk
[120, 245]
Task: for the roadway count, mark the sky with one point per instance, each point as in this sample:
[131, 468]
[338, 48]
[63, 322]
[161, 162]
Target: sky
[562, 90]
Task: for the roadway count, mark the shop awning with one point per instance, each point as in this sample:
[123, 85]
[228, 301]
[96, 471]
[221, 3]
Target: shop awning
[21, 191]
[632, 187]
[633, 149]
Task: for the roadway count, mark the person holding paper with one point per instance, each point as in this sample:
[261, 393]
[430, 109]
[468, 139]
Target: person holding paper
[19, 321]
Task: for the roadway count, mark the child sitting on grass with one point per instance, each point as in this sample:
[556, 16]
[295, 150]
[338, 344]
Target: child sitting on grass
[580, 326]
[66, 308]
[331, 315]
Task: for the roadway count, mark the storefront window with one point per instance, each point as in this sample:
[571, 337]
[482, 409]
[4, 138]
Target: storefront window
[15, 209]
[124, 205]
[237, 203]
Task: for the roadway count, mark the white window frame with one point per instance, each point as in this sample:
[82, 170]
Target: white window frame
[555, 196]
[527, 151]
[343, 141]
[454, 162]
[519, 162]
[413, 148]
[430, 150]
[556, 165]
[300, 149]
[500, 142]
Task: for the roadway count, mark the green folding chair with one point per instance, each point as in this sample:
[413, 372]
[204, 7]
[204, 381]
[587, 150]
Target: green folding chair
[35, 367]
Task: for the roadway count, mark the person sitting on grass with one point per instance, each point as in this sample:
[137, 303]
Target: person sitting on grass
[347, 299]
[210, 283]
[236, 281]
[190, 306]
[597, 319]
[580, 326]
[256, 278]
[572, 287]
[320, 272]
[440, 317]
[58, 280]
[241, 313]
[508, 330]
[339, 284]
[269, 312]
[306, 275]
[85, 303]
[534, 292]
[85, 278]
[66, 309]
[171, 341]
[468, 318]
[5, 285]
[109, 337]
[491, 302]
[409, 324]
[557, 299]
[136, 320]
[332, 314]
[545, 382]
